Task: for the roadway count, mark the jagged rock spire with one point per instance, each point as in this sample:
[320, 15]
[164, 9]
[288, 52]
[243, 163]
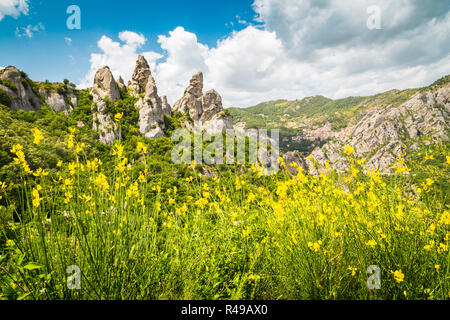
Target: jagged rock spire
[105, 86]
[22, 97]
[121, 83]
[151, 107]
[141, 76]
[104, 89]
[192, 99]
[205, 110]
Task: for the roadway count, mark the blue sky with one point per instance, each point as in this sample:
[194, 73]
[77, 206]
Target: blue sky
[249, 50]
[46, 53]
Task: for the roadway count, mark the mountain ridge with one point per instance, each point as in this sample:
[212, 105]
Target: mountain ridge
[315, 125]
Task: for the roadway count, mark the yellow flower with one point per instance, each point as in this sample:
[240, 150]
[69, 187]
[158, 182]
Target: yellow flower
[118, 116]
[36, 197]
[398, 276]
[40, 173]
[400, 166]
[429, 246]
[348, 150]
[371, 243]
[353, 270]
[79, 147]
[102, 182]
[59, 164]
[448, 160]
[71, 143]
[38, 136]
[3, 186]
[437, 267]
[141, 148]
[428, 157]
[442, 248]
[314, 246]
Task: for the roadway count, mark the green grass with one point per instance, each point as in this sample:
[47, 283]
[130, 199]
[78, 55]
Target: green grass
[135, 234]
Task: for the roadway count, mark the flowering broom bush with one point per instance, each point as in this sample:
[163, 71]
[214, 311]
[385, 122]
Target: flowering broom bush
[231, 236]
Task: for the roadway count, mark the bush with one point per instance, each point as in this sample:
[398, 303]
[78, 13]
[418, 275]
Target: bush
[5, 99]
[8, 84]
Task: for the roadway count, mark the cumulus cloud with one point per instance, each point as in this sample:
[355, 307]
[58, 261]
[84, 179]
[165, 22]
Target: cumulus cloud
[412, 31]
[185, 57]
[119, 56]
[301, 48]
[13, 8]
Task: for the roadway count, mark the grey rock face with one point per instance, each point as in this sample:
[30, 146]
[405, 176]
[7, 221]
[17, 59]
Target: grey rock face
[140, 77]
[296, 157]
[205, 110]
[192, 99]
[121, 84]
[166, 106]
[105, 91]
[60, 102]
[151, 107]
[155, 133]
[105, 86]
[381, 134]
[22, 97]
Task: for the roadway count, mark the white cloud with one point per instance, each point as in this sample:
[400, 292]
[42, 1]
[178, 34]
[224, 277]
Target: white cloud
[132, 38]
[185, 57]
[13, 8]
[303, 48]
[120, 57]
[29, 30]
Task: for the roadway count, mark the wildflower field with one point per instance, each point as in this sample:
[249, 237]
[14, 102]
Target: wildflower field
[236, 234]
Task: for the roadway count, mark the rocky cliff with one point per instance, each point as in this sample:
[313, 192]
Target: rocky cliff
[104, 91]
[18, 88]
[382, 132]
[64, 101]
[151, 107]
[205, 110]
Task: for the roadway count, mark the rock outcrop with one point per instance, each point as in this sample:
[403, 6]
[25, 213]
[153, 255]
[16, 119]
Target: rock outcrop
[16, 85]
[382, 133]
[297, 158]
[205, 110]
[140, 78]
[60, 102]
[151, 107]
[121, 84]
[166, 108]
[105, 91]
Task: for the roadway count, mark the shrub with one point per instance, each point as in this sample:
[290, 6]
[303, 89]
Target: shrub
[5, 99]
[8, 84]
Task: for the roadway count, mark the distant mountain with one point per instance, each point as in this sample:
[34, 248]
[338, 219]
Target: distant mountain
[377, 126]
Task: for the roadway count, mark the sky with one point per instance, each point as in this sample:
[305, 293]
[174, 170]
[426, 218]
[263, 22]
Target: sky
[250, 51]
